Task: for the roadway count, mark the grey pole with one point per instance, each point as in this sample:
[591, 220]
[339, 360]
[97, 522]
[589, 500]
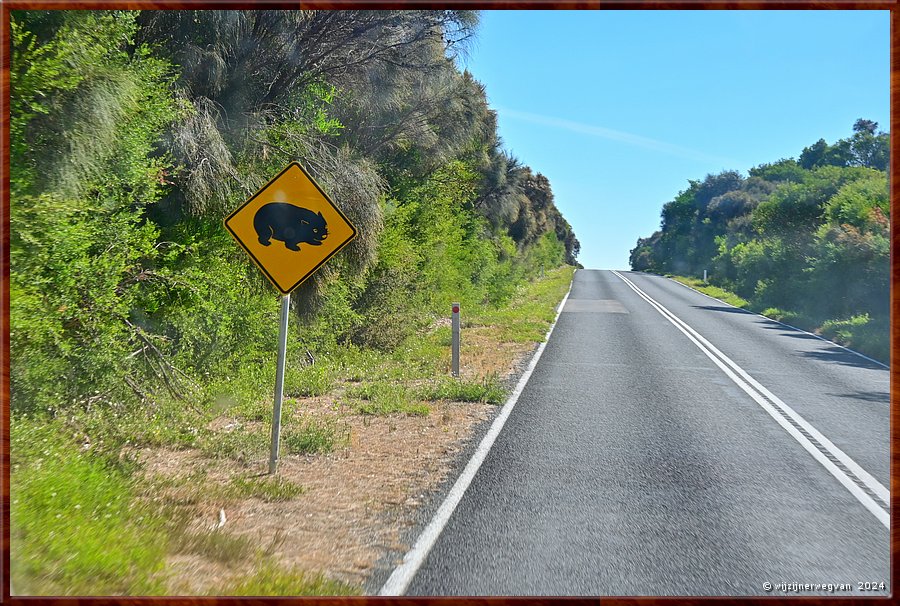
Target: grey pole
[455, 328]
[279, 383]
[704, 275]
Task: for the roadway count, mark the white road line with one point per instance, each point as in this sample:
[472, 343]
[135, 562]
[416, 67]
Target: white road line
[400, 579]
[812, 334]
[759, 394]
[873, 484]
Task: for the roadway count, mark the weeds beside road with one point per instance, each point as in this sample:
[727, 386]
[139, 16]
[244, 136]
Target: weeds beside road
[860, 332]
[176, 500]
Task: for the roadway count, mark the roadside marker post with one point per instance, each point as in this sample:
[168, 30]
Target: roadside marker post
[289, 228]
[704, 276]
[454, 323]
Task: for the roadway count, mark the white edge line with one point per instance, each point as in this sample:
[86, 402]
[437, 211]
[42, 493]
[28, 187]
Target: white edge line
[400, 579]
[877, 487]
[806, 332]
[851, 486]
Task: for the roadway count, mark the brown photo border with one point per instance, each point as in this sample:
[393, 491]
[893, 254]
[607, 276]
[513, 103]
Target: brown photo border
[8, 5]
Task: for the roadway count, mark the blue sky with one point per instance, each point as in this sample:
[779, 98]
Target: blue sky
[620, 108]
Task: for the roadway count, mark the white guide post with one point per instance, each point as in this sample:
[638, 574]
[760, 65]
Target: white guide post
[455, 328]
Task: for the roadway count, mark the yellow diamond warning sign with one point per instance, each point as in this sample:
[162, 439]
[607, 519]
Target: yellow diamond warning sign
[290, 228]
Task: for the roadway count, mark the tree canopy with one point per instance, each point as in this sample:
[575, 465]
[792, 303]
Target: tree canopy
[134, 133]
[808, 237]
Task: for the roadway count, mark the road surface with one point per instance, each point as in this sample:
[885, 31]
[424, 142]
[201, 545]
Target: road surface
[669, 444]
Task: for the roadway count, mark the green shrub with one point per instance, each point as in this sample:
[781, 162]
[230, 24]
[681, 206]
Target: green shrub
[384, 398]
[314, 435]
[76, 527]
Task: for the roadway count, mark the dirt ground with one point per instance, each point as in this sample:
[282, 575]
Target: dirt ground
[357, 501]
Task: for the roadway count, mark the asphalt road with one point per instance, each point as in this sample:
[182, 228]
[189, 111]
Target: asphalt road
[635, 464]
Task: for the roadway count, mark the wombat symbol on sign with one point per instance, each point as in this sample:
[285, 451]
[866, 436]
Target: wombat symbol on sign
[290, 224]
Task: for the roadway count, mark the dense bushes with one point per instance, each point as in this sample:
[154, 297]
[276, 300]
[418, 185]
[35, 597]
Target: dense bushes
[809, 238]
[134, 133]
[86, 116]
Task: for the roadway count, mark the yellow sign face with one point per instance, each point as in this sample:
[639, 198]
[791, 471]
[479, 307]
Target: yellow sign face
[290, 228]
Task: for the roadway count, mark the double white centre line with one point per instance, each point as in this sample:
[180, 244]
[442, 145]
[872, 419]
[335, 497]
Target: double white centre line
[867, 490]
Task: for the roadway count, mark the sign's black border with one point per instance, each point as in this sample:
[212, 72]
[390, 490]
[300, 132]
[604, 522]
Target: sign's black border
[257, 261]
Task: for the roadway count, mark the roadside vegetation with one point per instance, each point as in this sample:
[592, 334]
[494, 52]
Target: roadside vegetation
[805, 241]
[713, 291]
[137, 323]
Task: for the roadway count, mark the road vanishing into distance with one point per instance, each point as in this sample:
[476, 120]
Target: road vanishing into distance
[669, 444]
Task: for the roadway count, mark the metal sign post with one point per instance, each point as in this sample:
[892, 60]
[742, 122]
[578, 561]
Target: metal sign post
[455, 346]
[279, 383]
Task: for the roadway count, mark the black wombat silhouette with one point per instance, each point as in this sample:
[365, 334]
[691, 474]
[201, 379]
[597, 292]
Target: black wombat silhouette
[290, 224]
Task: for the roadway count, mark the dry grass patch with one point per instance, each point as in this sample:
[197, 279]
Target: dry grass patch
[338, 510]
[483, 354]
[352, 509]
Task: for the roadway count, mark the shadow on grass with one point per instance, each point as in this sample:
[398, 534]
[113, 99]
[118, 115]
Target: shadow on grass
[832, 354]
[787, 332]
[838, 355]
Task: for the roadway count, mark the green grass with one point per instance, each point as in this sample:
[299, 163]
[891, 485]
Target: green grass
[488, 390]
[241, 443]
[842, 330]
[314, 435]
[270, 489]
[261, 410]
[216, 545]
[110, 427]
[713, 291]
[196, 488]
[307, 381]
[531, 310]
[354, 364]
[419, 356]
[76, 528]
[377, 384]
[782, 315]
[384, 398]
[862, 334]
[272, 580]
[858, 333]
[788, 317]
[307, 435]
[82, 523]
